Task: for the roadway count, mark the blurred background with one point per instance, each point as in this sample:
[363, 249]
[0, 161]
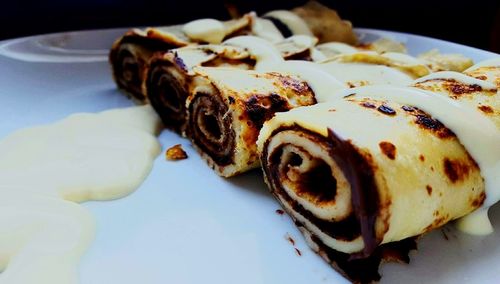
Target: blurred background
[473, 23]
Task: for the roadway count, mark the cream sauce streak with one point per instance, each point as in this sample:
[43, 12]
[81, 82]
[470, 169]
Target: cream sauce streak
[262, 51]
[265, 29]
[294, 23]
[206, 30]
[44, 170]
[324, 77]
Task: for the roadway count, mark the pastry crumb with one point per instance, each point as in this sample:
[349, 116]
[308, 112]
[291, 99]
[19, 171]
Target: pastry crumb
[175, 153]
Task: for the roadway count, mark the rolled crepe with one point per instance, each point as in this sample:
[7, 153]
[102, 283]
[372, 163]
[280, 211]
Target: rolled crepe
[384, 48]
[169, 79]
[363, 174]
[359, 73]
[382, 45]
[474, 92]
[130, 54]
[445, 62]
[229, 148]
[403, 62]
[488, 70]
[227, 108]
[129, 58]
[313, 18]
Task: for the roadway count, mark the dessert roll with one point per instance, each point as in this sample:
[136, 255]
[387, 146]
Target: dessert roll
[426, 155]
[356, 74]
[478, 94]
[350, 191]
[129, 58]
[433, 59]
[313, 19]
[298, 47]
[405, 63]
[169, 78]
[382, 45]
[130, 54]
[227, 108]
[479, 91]
[445, 61]
[488, 70]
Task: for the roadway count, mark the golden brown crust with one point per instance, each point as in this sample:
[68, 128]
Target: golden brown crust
[129, 58]
[228, 108]
[176, 153]
[169, 80]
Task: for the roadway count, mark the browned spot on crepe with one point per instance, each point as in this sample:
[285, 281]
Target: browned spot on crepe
[388, 149]
[456, 170]
[481, 77]
[386, 110]
[367, 105]
[429, 189]
[454, 87]
[297, 86]
[486, 109]
[261, 108]
[459, 88]
[425, 121]
[479, 200]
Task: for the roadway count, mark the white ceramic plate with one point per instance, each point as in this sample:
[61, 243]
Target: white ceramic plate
[185, 224]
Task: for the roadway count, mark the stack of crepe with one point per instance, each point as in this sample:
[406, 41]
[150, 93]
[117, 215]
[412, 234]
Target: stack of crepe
[363, 174]
[361, 144]
[130, 54]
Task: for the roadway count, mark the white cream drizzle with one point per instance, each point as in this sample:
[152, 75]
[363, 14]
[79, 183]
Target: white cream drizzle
[335, 48]
[206, 30]
[321, 82]
[459, 77]
[400, 57]
[265, 29]
[304, 41]
[477, 133]
[264, 52]
[360, 74]
[323, 78]
[43, 169]
[295, 24]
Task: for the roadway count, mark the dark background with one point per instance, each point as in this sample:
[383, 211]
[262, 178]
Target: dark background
[474, 23]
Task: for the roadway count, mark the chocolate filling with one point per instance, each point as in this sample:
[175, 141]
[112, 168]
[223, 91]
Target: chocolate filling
[128, 69]
[317, 182]
[167, 96]
[347, 229]
[128, 72]
[364, 196]
[282, 27]
[210, 128]
[358, 267]
[365, 270]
